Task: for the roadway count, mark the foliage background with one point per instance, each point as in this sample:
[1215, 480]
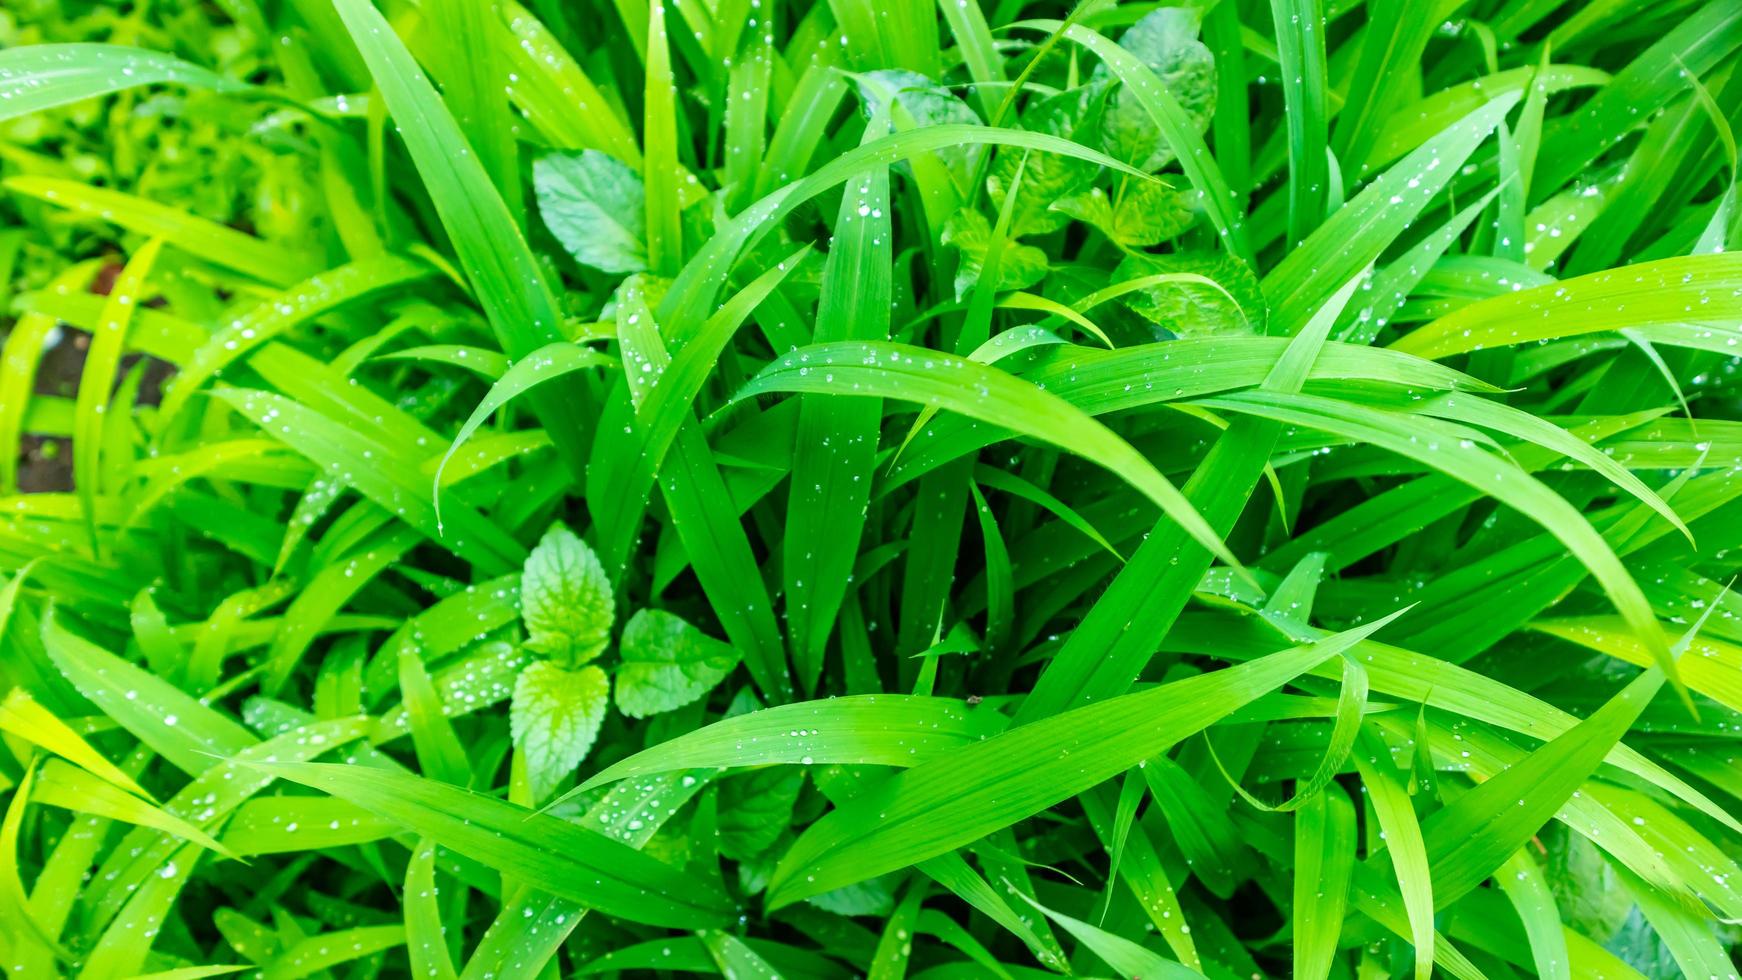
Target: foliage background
[869, 488]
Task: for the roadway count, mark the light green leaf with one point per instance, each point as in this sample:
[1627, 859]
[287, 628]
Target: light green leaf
[565, 599]
[555, 717]
[1230, 304]
[71, 788]
[23, 716]
[1699, 290]
[667, 663]
[1049, 177]
[1139, 214]
[596, 207]
[1166, 42]
[970, 234]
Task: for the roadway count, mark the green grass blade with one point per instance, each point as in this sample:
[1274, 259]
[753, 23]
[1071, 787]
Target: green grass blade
[981, 392]
[1324, 861]
[34, 77]
[551, 854]
[510, 284]
[970, 792]
[1404, 847]
[203, 239]
[1300, 42]
[97, 381]
[836, 439]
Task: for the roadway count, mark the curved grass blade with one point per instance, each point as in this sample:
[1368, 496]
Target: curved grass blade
[1351, 709]
[962, 795]
[424, 942]
[552, 855]
[1527, 888]
[203, 239]
[97, 381]
[510, 284]
[545, 364]
[1696, 289]
[488, 364]
[868, 729]
[1100, 382]
[34, 77]
[1455, 454]
[981, 392]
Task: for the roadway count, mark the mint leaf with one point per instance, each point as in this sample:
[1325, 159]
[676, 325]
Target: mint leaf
[1195, 309]
[968, 232]
[1587, 890]
[1167, 41]
[755, 807]
[595, 205]
[1071, 115]
[1144, 213]
[565, 598]
[667, 663]
[554, 718]
[916, 102]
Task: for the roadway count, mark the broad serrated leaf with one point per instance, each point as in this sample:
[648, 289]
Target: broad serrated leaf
[755, 808]
[969, 233]
[1186, 308]
[667, 663]
[555, 717]
[1139, 214]
[565, 599]
[1165, 40]
[595, 205]
[1049, 177]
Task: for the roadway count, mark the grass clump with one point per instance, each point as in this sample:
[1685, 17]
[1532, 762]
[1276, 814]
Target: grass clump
[869, 489]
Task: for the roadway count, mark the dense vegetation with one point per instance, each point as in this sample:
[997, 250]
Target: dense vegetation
[538, 489]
